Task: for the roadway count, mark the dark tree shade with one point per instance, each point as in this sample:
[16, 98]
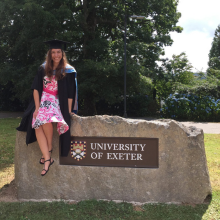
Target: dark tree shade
[95, 29]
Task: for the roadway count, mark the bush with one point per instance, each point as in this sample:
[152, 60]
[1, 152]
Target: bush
[191, 107]
[205, 87]
[136, 105]
[7, 102]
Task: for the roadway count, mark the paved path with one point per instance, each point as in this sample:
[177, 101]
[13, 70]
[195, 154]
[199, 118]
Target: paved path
[10, 114]
[210, 128]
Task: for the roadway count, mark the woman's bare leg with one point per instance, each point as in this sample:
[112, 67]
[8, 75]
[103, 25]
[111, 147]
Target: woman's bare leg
[48, 131]
[42, 141]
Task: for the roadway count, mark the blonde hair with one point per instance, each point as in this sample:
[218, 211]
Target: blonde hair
[60, 70]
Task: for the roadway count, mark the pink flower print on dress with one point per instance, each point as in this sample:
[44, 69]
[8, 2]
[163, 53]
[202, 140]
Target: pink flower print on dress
[49, 110]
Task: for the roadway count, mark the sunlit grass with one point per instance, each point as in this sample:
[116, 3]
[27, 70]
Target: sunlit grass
[6, 175]
[212, 148]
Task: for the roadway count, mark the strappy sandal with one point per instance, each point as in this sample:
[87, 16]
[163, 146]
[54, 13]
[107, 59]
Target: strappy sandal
[50, 157]
[48, 167]
[40, 160]
[51, 162]
[43, 158]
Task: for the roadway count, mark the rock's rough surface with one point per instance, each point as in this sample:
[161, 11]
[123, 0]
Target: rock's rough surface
[182, 175]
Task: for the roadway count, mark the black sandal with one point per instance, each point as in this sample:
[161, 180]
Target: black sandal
[43, 158]
[48, 167]
[50, 157]
[51, 162]
[40, 160]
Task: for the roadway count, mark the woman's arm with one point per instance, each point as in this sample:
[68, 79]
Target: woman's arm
[37, 102]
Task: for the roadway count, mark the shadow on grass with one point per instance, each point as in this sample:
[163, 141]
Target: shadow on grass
[8, 193]
[180, 212]
[3, 166]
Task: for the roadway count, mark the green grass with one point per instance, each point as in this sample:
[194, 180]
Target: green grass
[93, 209]
[212, 147]
[7, 140]
[7, 146]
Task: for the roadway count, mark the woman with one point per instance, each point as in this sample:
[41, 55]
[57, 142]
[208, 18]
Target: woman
[54, 99]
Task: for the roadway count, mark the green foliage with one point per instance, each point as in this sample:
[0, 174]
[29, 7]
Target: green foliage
[191, 107]
[95, 32]
[163, 88]
[171, 74]
[195, 95]
[7, 100]
[137, 105]
[214, 55]
[214, 72]
[202, 86]
[178, 69]
[24, 27]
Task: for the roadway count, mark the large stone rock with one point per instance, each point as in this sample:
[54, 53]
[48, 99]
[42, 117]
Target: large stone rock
[182, 175]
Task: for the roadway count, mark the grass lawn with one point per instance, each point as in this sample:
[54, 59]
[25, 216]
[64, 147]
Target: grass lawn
[93, 209]
[7, 145]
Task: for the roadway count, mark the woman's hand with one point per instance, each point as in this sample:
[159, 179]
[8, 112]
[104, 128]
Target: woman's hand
[72, 113]
[35, 113]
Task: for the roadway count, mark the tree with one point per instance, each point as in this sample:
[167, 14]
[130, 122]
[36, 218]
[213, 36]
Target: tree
[95, 30]
[214, 55]
[24, 27]
[173, 73]
[179, 69]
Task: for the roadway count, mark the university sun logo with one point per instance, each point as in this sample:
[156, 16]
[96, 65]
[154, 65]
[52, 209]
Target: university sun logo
[78, 150]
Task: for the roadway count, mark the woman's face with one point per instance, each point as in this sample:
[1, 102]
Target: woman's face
[56, 55]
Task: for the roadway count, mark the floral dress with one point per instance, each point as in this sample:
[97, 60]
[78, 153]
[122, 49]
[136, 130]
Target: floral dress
[49, 110]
